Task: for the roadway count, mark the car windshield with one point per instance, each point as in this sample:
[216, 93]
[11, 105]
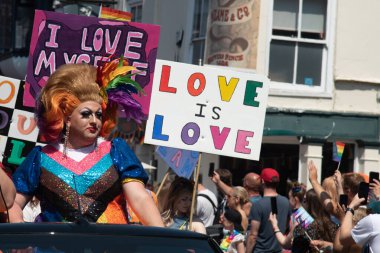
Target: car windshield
[100, 243]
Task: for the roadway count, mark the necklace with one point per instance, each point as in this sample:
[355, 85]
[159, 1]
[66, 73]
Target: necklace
[228, 239]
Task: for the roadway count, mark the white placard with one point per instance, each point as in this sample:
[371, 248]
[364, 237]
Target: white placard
[205, 109]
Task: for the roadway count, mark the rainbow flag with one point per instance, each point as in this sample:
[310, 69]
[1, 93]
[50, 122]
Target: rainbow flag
[338, 149]
[110, 13]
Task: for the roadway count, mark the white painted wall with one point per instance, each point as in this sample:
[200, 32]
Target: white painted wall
[172, 16]
[357, 41]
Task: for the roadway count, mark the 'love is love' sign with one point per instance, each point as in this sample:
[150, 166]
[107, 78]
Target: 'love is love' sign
[207, 109]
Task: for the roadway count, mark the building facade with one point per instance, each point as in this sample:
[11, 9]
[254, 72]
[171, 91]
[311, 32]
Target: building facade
[323, 61]
[322, 57]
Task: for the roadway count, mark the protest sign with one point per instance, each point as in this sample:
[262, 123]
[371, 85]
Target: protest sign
[18, 128]
[212, 110]
[182, 162]
[63, 38]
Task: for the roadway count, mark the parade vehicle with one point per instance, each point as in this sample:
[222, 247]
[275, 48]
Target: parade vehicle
[90, 237]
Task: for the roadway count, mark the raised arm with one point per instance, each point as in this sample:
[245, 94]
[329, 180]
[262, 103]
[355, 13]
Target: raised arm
[220, 184]
[328, 203]
[345, 237]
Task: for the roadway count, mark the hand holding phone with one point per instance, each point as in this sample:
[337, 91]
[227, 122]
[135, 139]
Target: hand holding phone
[211, 170]
[373, 175]
[363, 191]
[343, 200]
[273, 202]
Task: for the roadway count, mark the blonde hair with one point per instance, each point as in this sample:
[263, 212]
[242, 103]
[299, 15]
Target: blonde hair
[241, 193]
[178, 187]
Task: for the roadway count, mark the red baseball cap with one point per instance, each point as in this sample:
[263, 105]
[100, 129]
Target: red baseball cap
[270, 175]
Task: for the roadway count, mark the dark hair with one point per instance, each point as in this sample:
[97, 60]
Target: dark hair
[225, 176]
[272, 185]
[298, 190]
[234, 217]
[320, 215]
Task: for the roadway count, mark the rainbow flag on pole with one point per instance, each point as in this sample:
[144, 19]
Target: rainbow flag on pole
[338, 149]
[109, 13]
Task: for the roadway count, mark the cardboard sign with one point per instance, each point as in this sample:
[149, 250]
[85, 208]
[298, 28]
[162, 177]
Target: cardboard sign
[63, 38]
[18, 128]
[182, 162]
[207, 109]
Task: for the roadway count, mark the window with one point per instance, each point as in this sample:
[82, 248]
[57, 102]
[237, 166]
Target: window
[199, 30]
[300, 45]
[136, 10]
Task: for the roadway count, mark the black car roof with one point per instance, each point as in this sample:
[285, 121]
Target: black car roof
[96, 228]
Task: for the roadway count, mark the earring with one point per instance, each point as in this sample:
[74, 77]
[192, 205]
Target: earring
[65, 141]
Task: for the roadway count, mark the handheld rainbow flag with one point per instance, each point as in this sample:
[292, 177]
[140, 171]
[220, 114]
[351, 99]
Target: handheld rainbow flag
[338, 149]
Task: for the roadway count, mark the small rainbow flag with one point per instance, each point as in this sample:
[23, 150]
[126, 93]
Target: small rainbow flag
[338, 149]
[110, 13]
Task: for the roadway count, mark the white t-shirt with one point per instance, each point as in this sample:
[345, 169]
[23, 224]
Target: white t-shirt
[232, 248]
[205, 210]
[368, 231]
[30, 211]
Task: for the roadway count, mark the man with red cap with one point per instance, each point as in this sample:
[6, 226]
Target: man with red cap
[261, 235]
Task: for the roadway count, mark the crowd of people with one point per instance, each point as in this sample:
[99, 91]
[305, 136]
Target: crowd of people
[80, 174]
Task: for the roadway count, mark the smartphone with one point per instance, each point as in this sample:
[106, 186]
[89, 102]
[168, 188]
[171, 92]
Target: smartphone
[343, 199]
[363, 191]
[273, 202]
[211, 170]
[373, 175]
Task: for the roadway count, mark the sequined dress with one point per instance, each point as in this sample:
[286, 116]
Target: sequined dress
[90, 188]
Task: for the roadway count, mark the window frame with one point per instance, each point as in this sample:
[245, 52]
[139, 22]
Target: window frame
[297, 90]
[199, 39]
[135, 4]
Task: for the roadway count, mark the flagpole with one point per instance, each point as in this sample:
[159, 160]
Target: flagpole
[339, 164]
[197, 169]
[162, 182]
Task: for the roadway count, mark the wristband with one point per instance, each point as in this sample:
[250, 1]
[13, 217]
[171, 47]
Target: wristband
[277, 231]
[350, 209]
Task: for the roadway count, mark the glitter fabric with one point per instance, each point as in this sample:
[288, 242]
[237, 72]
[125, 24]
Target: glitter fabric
[95, 182]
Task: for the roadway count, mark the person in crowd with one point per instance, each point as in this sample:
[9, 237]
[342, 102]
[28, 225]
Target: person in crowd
[365, 232]
[223, 180]
[327, 192]
[296, 196]
[374, 203]
[308, 235]
[8, 190]
[260, 238]
[252, 184]
[207, 204]
[236, 199]
[351, 183]
[233, 241]
[177, 208]
[79, 174]
[316, 234]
